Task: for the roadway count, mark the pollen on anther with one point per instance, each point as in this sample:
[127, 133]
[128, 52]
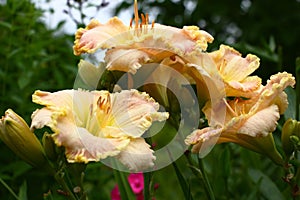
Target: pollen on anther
[130, 24]
[147, 18]
[152, 24]
[143, 19]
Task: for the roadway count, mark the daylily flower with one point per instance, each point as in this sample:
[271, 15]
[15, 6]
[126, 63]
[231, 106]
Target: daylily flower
[94, 125]
[128, 48]
[235, 71]
[247, 120]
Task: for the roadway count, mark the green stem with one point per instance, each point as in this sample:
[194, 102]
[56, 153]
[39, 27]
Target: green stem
[61, 181]
[123, 185]
[199, 171]
[184, 185]
[9, 189]
[147, 185]
[297, 88]
[207, 185]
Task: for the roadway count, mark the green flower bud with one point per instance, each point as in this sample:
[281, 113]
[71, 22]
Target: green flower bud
[290, 133]
[49, 147]
[15, 133]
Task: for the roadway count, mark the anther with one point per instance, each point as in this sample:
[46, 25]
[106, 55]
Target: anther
[136, 14]
[130, 25]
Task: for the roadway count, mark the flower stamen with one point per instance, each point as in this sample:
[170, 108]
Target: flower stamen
[143, 26]
[229, 107]
[104, 103]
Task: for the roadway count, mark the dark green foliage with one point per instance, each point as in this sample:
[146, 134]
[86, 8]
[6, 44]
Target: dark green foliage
[32, 57]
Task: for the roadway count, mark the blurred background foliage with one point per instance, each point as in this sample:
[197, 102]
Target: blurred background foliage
[34, 56]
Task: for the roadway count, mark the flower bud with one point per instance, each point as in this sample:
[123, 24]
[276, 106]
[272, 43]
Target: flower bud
[15, 133]
[49, 147]
[290, 129]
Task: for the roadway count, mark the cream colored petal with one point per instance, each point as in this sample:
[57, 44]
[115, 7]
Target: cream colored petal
[115, 34]
[182, 41]
[201, 37]
[261, 123]
[104, 36]
[89, 74]
[232, 66]
[137, 156]
[133, 113]
[127, 60]
[75, 103]
[249, 84]
[57, 99]
[282, 102]
[249, 87]
[82, 146]
[272, 92]
[203, 139]
[41, 118]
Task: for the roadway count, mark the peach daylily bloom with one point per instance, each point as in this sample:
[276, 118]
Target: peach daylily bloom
[128, 48]
[97, 124]
[247, 120]
[235, 71]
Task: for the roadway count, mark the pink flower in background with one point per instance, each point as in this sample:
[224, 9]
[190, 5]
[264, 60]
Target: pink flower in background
[136, 182]
[115, 193]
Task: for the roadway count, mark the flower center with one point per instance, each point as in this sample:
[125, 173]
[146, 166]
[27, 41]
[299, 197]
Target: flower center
[99, 115]
[235, 105]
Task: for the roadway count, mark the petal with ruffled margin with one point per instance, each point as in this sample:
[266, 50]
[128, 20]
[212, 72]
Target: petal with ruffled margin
[81, 146]
[137, 156]
[74, 103]
[94, 125]
[261, 123]
[273, 92]
[232, 66]
[97, 35]
[206, 135]
[115, 34]
[133, 113]
[243, 88]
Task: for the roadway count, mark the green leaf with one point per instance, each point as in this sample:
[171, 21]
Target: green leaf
[124, 187]
[225, 159]
[266, 186]
[6, 25]
[290, 111]
[147, 184]
[8, 188]
[23, 191]
[272, 44]
[183, 183]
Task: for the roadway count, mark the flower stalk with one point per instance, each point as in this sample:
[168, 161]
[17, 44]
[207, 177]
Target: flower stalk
[297, 89]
